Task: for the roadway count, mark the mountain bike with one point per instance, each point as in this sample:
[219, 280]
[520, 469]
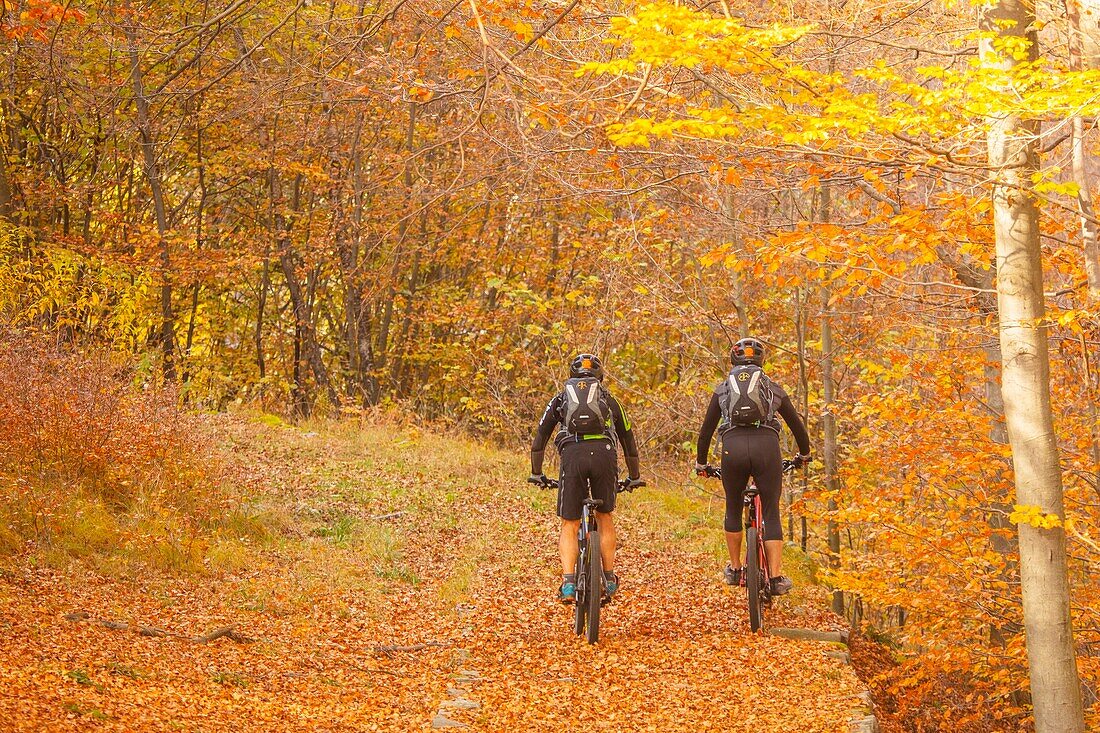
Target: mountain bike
[757, 577]
[590, 581]
[586, 612]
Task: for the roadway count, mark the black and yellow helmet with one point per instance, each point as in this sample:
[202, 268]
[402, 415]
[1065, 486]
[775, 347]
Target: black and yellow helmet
[586, 365]
[747, 351]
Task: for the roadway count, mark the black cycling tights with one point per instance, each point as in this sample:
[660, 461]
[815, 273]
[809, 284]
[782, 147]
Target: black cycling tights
[752, 452]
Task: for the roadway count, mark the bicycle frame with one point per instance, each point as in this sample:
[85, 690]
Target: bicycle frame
[758, 581]
[588, 520]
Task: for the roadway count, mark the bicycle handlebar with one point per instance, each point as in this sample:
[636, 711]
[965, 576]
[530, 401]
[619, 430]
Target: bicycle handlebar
[543, 482]
[789, 464]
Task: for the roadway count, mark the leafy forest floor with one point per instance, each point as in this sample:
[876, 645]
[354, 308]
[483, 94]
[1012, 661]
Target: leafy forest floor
[390, 562]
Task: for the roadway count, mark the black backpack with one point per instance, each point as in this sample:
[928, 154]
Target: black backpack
[749, 397]
[587, 409]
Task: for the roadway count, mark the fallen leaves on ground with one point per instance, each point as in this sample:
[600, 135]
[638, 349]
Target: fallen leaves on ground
[379, 652]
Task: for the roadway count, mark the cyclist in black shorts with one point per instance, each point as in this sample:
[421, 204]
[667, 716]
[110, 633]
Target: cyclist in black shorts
[589, 423]
[752, 450]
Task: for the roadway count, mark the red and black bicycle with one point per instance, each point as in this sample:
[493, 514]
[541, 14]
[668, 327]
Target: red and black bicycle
[756, 579]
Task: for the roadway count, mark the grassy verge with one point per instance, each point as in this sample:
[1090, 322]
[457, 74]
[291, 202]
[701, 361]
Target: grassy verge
[94, 467]
[368, 507]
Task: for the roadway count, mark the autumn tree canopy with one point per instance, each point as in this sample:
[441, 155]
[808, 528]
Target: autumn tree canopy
[327, 207]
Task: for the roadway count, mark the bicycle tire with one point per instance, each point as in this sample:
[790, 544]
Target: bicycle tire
[578, 602]
[753, 578]
[595, 586]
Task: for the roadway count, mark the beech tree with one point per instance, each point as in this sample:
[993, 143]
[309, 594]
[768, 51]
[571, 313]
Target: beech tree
[1010, 40]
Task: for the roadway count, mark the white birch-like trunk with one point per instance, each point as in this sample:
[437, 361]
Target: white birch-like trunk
[1025, 374]
[1084, 44]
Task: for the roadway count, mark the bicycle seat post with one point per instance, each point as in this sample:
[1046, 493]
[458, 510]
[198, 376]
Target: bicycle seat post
[590, 507]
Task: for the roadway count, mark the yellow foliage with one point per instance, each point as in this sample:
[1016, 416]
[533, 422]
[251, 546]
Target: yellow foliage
[1035, 516]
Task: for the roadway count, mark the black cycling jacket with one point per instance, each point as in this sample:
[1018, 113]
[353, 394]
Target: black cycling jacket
[786, 410]
[553, 418]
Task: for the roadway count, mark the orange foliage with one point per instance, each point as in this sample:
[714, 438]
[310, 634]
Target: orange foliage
[92, 460]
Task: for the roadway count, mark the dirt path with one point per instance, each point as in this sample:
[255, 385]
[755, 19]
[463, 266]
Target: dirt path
[382, 597]
[676, 653]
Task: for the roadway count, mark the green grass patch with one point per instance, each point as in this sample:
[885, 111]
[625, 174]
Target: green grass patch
[340, 531]
[270, 420]
[123, 670]
[230, 679]
[81, 677]
[228, 555]
[799, 566]
[81, 711]
[86, 528]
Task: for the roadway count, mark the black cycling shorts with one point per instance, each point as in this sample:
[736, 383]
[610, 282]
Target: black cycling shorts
[587, 465]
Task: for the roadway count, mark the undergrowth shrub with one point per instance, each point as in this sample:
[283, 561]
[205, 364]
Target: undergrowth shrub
[94, 463]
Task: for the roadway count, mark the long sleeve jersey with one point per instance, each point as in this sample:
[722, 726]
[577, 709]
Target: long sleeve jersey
[553, 419]
[786, 410]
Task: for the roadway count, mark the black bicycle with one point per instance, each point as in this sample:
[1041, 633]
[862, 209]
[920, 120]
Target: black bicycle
[590, 581]
[756, 579]
[591, 594]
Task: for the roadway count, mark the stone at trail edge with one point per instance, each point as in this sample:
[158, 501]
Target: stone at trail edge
[442, 721]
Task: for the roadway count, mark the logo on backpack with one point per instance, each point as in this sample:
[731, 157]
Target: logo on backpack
[748, 398]
[587, 412]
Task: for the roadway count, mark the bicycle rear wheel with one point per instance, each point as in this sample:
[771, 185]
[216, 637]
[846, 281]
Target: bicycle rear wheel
[595, 586]
[753, 577]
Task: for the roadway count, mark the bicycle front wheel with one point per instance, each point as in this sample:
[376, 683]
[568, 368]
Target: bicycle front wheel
[753, 578]
[595, 586]
[579, 604]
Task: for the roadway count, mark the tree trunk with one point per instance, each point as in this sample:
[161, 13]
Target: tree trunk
[410, 298]
[303, 317]
[804, 385]
[299, 399]
[1084, 52]
[5, 184]
[348, 251]
[555, 241]
[1094, 414]
[829, 452]
[349, 248]
[167, 326]
[1025, 375]
[258, 336]
[386, 319]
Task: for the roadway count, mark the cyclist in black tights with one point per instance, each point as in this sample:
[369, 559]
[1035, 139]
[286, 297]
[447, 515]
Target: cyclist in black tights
[752, 451]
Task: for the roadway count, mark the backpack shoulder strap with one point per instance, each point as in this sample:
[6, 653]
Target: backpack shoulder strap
[725, 391]
[775, 392]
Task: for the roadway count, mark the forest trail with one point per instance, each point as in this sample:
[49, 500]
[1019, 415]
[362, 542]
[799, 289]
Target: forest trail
[408, 570]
